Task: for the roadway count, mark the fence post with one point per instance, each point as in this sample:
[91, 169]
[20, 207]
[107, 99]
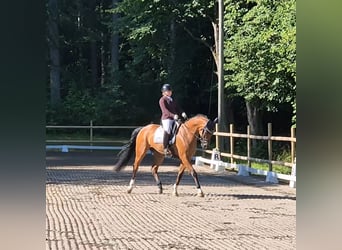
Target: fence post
[91, 133]
[248, 146]
[292, 144]
[231, 128]
[271, 176]
[216, 137]
[293, 174]
[269, 134]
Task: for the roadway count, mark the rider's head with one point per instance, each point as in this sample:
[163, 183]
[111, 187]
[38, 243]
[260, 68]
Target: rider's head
[166, 89]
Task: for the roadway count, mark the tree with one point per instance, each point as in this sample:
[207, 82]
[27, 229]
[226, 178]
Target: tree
[260, 54]
[114, 43]
[53, 43]
[152, 40]
[114, 55]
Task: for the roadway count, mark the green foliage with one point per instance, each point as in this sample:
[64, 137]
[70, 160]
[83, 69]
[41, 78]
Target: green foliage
[79, 107]
[281, 152]
[110, 101]
[260, 51]
[156, 54]
[275, 168]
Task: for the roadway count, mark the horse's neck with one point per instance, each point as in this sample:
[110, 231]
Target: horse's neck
[191, 129]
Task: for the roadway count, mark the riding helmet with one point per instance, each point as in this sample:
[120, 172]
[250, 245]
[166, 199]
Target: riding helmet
[166, 87]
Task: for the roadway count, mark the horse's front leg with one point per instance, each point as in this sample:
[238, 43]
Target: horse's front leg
[156, 177]
[179, 177]
[193, 173]
[198, 186]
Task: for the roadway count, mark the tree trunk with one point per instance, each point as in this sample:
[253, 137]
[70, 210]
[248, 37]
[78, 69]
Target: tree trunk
[103, 41]
[92, 26]
[53, 43]
[102, 58]
[114, 45]
[93, 63]
[254, 117]
[172, 47]
[229, 111]
[219, 60]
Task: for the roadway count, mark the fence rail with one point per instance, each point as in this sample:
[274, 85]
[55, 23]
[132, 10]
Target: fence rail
[91, 128]
[269, 138]
[243, 170]
[231, 155]
[231, 134]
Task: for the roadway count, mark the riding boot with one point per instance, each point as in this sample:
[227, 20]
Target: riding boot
[166, 144]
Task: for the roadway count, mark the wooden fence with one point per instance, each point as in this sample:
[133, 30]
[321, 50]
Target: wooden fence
[199, 160]
[269, 138]
[271, 176]
[91, 127]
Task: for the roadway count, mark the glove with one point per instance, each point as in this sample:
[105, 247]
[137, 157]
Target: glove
[184, 116]
[176, 117]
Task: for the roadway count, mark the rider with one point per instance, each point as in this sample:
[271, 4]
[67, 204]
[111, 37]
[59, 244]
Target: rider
[170, 113]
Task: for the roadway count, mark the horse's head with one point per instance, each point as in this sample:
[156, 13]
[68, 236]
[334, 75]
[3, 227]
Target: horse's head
[206, 133]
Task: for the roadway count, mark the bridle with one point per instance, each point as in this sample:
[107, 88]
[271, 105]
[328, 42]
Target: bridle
[202, 136]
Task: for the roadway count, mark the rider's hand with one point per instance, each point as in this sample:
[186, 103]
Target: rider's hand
[184, 116]
[176, 117]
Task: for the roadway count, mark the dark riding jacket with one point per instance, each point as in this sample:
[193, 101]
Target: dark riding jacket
[169, 107]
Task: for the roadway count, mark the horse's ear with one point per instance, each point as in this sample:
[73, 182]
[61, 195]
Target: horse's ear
[216, 120]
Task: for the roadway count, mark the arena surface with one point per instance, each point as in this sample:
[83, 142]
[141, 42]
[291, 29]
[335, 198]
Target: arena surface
[87, 207]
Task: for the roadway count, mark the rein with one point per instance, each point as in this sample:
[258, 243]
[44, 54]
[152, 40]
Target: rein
[197, 137]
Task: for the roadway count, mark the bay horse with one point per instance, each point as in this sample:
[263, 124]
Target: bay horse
[142, 140]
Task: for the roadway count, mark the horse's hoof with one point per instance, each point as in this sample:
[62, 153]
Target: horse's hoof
[201, 194]
[129, 190]
[160, 191]
[174, 194]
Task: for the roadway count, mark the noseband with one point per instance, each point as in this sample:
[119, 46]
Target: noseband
[203, 140]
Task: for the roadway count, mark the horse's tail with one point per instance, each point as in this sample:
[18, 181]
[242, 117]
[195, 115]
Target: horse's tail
[126, 153]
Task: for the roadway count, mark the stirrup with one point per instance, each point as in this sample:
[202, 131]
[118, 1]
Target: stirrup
[167, 153]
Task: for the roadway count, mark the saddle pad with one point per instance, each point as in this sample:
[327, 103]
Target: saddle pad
[159, 134]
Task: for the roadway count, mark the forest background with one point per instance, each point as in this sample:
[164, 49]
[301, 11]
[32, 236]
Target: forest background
[108, 59]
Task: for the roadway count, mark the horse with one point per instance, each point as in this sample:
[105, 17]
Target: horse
[196, 128]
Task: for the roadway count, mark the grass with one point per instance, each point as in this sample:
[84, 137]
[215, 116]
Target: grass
[264, 166]
[276, 168]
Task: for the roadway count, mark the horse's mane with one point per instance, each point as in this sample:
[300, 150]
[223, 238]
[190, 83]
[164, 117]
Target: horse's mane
[198, 116]
[195, 119]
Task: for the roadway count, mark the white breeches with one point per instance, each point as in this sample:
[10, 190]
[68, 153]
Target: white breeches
[167, 125]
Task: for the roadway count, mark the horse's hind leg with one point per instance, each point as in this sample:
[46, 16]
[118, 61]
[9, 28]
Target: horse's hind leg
[132, 181]
[157, 161]
[139, 155]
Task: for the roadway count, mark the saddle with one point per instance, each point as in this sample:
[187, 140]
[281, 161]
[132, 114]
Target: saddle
[159, 133]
